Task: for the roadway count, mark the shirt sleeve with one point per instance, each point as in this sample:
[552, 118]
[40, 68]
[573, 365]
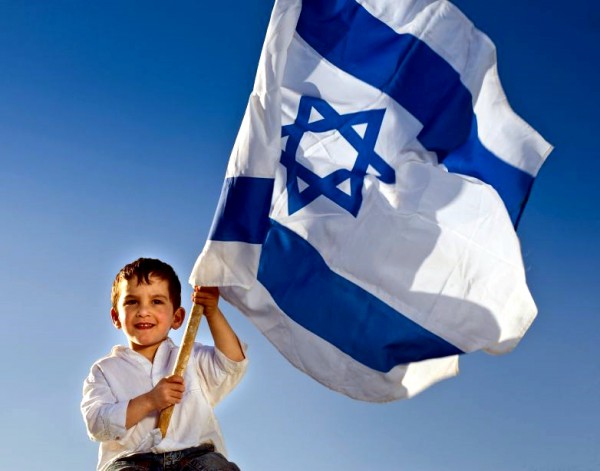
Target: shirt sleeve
[219, 373]
[104, 416]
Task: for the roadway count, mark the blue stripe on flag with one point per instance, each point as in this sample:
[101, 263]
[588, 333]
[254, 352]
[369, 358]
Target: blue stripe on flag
[242, 214]
[475, 160]
[349, 37]
[339, 311]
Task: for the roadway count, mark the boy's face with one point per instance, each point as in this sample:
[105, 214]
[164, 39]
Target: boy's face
[146, 314]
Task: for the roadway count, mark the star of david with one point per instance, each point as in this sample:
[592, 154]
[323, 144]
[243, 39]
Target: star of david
[367, 160]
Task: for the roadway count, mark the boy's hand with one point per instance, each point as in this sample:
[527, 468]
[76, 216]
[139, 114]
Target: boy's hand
[167, 392]
[207, 297]
[223, 335]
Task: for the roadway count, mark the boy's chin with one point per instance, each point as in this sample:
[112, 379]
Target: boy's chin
[141, 344]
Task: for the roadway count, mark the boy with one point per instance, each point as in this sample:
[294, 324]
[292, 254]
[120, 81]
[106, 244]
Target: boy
[126, 390]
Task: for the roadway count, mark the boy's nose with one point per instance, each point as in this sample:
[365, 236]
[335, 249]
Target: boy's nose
[144, 310]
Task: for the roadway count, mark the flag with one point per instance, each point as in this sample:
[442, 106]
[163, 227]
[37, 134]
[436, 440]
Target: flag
[367, 220]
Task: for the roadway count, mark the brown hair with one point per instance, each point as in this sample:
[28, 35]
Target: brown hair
[143, 269]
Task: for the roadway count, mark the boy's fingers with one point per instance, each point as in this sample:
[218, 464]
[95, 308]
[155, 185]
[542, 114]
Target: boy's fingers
[206, 289]
[174, 379]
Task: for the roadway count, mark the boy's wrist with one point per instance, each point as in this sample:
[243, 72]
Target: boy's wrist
[149, 403]
[212, 312]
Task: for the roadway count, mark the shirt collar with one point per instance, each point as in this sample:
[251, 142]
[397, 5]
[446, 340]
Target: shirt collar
[127, 353]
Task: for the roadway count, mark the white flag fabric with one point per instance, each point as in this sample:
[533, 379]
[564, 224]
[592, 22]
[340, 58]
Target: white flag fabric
[366, 224]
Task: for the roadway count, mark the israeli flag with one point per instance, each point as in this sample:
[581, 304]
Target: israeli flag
[366, 224]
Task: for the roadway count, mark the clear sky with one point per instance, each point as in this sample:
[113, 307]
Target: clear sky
[116, 122]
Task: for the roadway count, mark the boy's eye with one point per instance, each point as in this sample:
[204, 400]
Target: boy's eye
[130, 302]
[158, 301]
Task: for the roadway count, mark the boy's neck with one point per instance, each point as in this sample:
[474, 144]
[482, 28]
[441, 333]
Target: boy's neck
[147, 351]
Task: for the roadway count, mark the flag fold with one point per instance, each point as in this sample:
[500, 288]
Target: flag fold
[367, 220]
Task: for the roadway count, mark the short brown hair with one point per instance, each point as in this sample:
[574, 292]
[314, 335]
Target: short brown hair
[143, 269]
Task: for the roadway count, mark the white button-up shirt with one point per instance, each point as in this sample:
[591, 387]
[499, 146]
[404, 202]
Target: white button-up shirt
[125, 374]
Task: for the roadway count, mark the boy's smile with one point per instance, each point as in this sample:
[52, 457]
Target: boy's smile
[146, 314]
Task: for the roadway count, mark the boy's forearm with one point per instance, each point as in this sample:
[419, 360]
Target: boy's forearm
[224, 337]
[137, 409]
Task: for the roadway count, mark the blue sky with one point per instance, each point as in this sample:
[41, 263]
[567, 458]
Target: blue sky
[116, 122]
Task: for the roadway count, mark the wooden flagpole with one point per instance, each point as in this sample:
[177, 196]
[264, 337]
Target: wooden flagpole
[182, 360]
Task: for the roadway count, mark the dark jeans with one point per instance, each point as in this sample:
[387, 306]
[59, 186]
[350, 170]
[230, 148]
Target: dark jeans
[200, 458]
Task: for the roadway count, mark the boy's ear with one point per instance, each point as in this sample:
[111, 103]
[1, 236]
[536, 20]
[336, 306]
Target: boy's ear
[114, 315]
[178, 317]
